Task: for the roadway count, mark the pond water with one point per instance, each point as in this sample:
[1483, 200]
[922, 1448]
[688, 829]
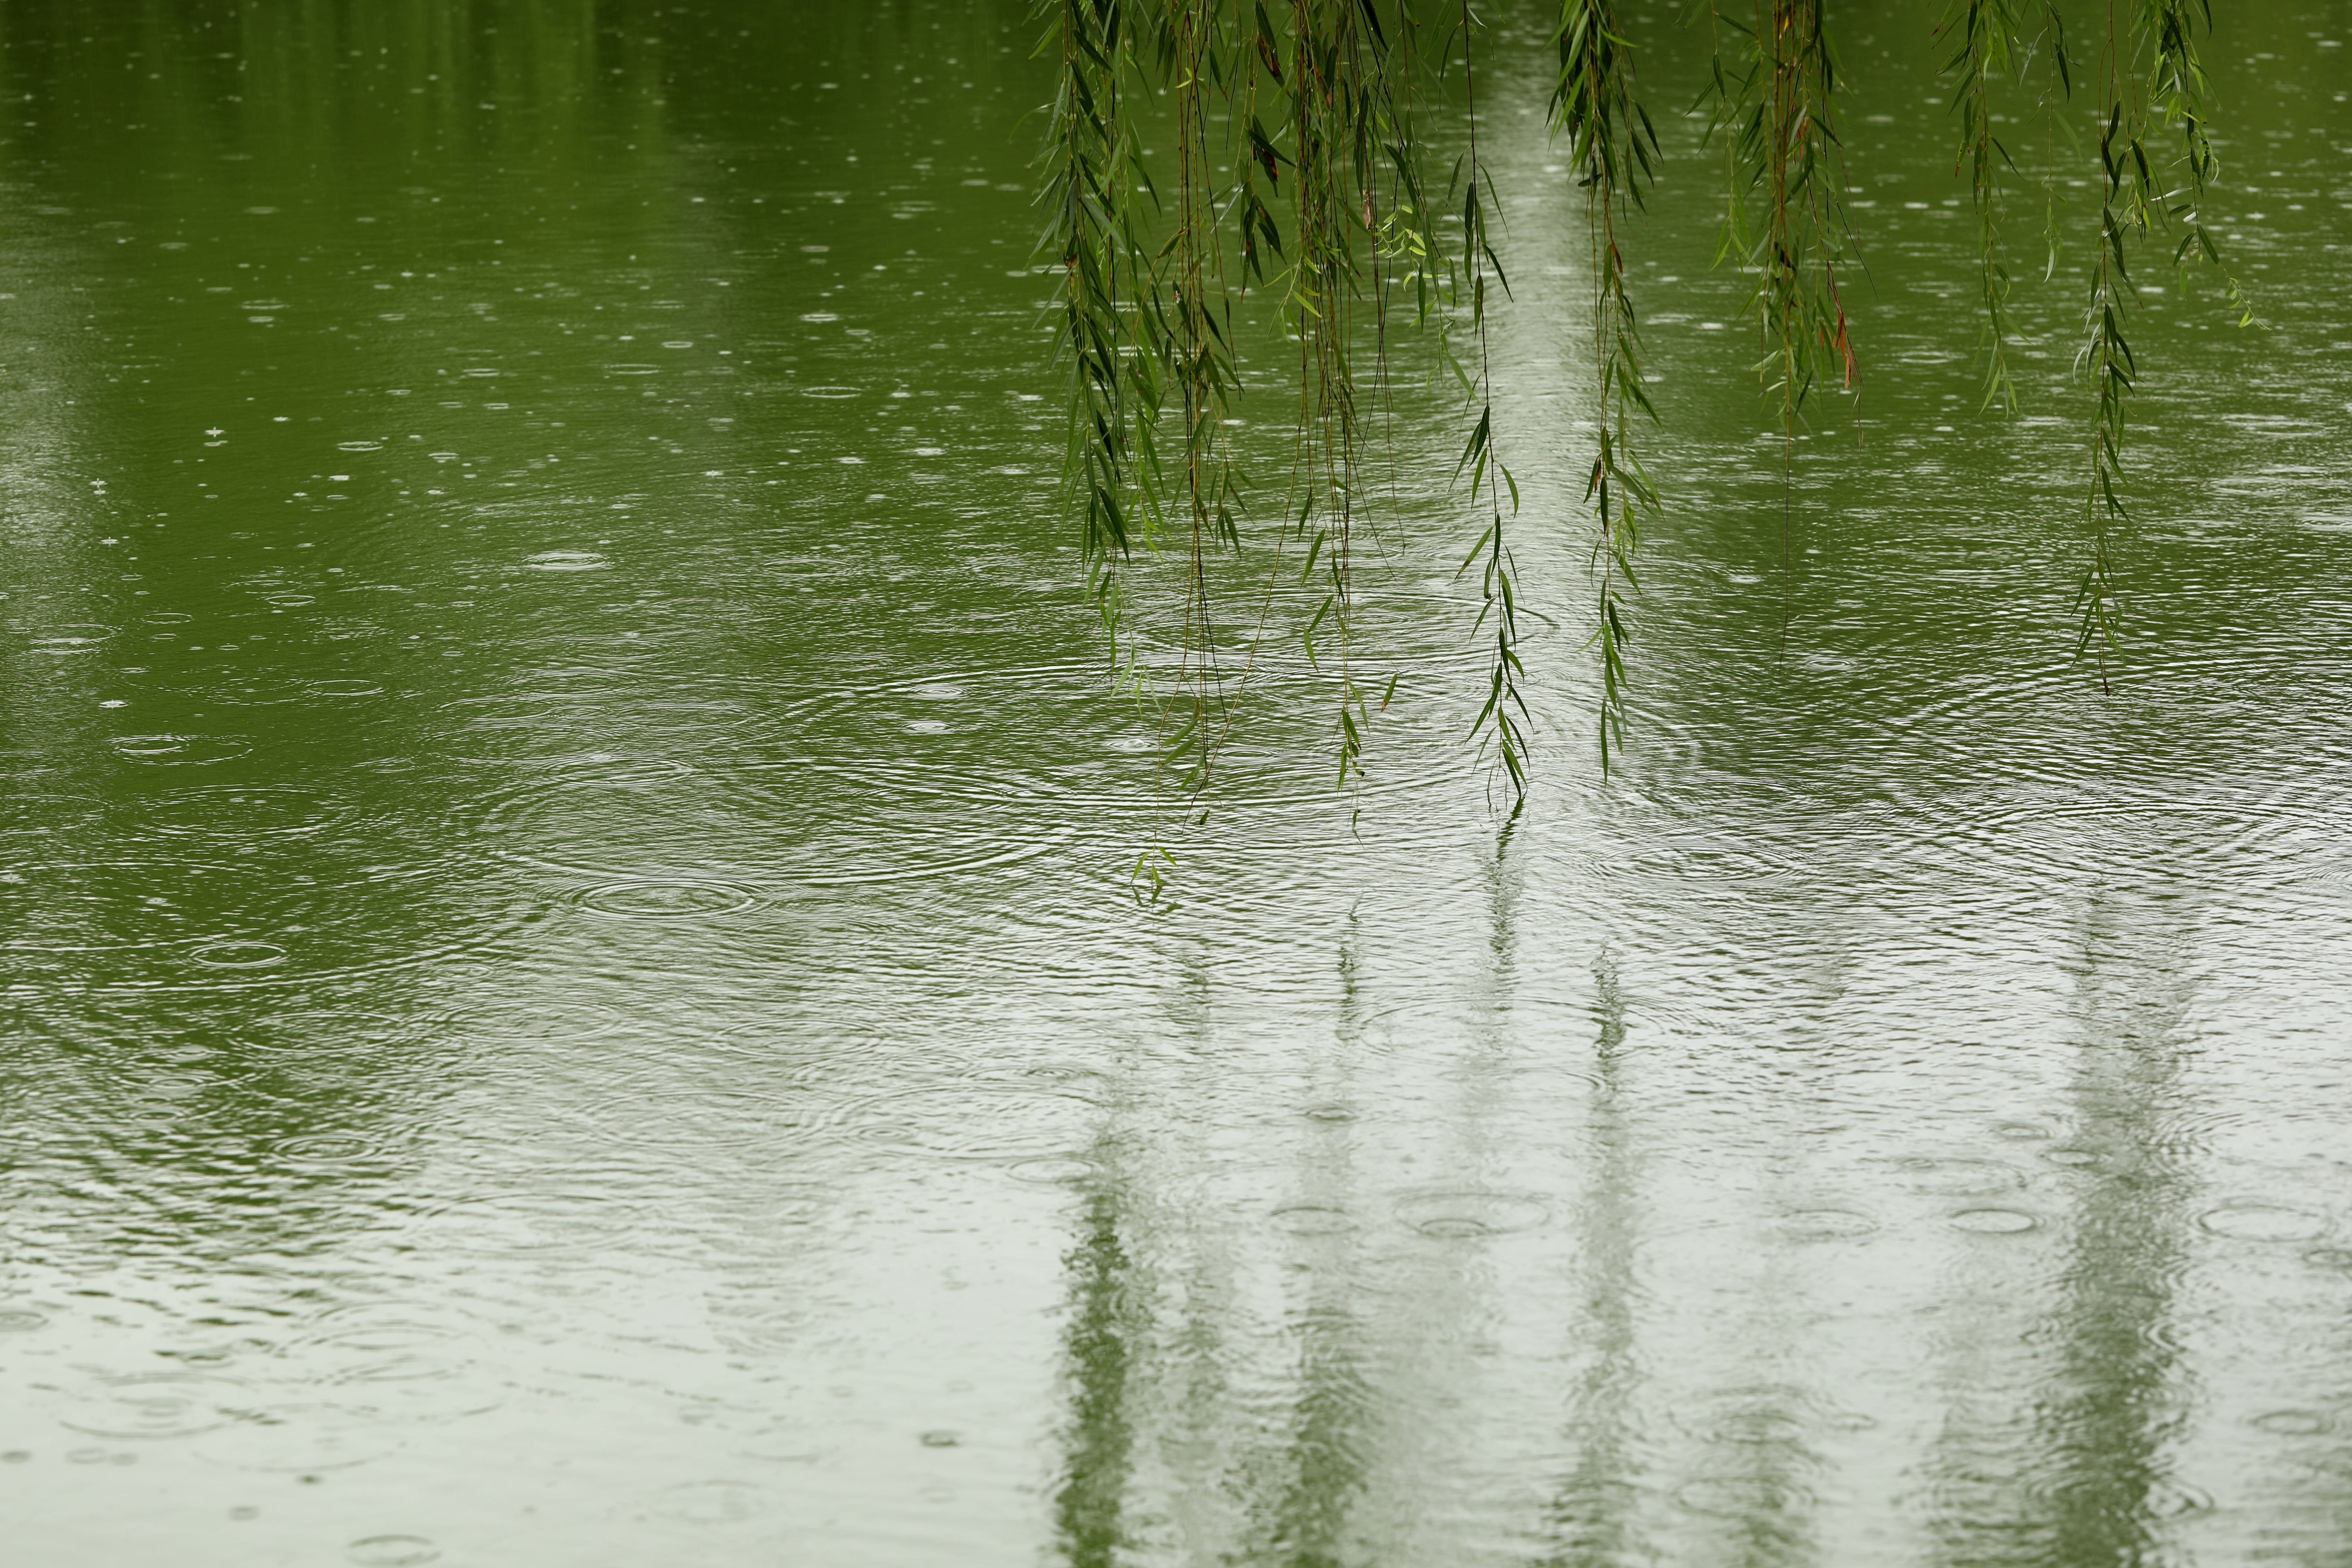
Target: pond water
[587, 1011]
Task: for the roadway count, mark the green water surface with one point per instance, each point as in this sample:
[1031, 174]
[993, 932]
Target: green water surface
[568, 991]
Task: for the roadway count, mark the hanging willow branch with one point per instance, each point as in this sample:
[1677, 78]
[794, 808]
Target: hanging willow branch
[1784, 147]
[1314, 101]
[1614, 148]
[1503, 716]
[1201, 357]
[1331, 88]
[2150, 79]
[1091, 162]
[1292, 163]
[1990, 47]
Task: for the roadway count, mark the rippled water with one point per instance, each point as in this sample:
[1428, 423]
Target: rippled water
[602, 1023]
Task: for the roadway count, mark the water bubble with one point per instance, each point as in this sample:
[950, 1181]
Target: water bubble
[324, 1148]
[829, 391]
[761, 1329]
[540, 1222]
[784, 1444]
[1765, 1414]
[392, 1552]
[536, 1019]
[1003, 1116]
[1694, 859]
[26, 815]
[2158, 1497]
[19, 1320]
[656, 1111]
[713, 1502]
[1312, 1219]
[1824, 1225]
[358, 445]
[566, 561]
[299, 1439]
[2292, 1422]
[392, 1351]
[1059, 1170]
[399, 1352]
[532, 732]
[1994, 1222]
[2070, 1157]
[239, 955]
[346, 689]
[271, 692]
[108, 921]
[1958, 1177]
[1738, 1497]
[180, 751]
[157, 1404]
[653, 899]
[64, 641]
[1463, 1212]
[236, 810]
[2256, 1221]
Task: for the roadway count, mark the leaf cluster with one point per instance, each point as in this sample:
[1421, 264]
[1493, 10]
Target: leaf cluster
[1293, 160]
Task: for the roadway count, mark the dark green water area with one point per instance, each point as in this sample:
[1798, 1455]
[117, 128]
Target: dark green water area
[568, 990]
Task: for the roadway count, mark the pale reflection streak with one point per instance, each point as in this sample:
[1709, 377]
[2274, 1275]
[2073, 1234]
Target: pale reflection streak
[1302, 1462]
[1594, 1517]
[1286, 1407]
[2065, 1456]
[2119, 1397]
[1107, 1323]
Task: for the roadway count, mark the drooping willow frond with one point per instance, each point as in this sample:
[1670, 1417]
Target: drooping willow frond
[1777, 106]
[1198, 151]
[2151, 79]
[1785, 146]
[1503, 718]
[1613, 149]
[1091, 163]
[1992, 46]
[1298, 158]
[1335, 87]
[1201, 354]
